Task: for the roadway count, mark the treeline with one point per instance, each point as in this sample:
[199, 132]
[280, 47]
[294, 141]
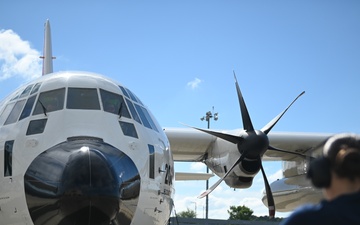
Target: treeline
[265, 218]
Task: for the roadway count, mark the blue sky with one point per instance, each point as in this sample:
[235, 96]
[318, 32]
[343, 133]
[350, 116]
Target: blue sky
[179, 57]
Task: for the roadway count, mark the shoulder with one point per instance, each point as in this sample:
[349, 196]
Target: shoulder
[343, 210]
[307, 214]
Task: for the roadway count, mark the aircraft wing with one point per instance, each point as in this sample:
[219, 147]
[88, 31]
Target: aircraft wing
[192, 176]
[298, 143]
[188, 144]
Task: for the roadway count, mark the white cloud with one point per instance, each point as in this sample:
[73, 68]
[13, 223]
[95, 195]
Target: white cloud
[17, 58]
[194, 83]
[275, 176]
[223, 196]
[220, 201]
[197, 167]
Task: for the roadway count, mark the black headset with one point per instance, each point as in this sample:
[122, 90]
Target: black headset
[320, 168]
[341, 154]
[320, 172]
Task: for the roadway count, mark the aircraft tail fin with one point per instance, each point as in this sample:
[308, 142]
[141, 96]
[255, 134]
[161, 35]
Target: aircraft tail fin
[47, 52]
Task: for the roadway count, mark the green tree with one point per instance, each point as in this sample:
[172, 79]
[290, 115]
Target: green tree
[240, 213]
[187, 214]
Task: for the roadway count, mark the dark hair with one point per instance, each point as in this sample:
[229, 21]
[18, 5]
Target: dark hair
[343, 152]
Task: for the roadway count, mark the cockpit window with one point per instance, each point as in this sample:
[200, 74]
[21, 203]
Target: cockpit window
[145, 117]
[6, 112]
[130, 95]
[134, 97]
[15, 112]
[124, 91]
[50, 101]
[26, 92]
[28, 107]
[36, 127]
[134, 114]
[128, 129]
[83, 98]
[114, 103]
[35, 88]
[16, 96]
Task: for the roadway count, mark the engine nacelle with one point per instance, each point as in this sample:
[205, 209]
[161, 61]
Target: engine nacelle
[239, 182]
[250, 166]
[290, 193]
[241, 177]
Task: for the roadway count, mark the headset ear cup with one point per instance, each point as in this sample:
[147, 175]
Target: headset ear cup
[319, 172]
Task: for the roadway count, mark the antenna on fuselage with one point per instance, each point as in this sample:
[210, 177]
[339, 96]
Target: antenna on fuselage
[47, 54]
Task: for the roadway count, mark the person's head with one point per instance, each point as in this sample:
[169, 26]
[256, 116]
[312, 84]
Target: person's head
[340, 160]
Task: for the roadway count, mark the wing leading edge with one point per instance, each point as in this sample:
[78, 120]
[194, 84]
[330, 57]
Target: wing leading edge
[191, 145]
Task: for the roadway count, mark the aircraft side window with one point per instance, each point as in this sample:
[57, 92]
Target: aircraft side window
[50, 101]
[124, 91]
[128, 129]
[134, 114]
[151, 161]
[82, 98]
[134, 97]
[167, 170]
[6, 112]
[142, 116]
[36, 127]
[15, 112]
[168, 175]
[28, 107]
[114, 103]
[145, 117]
[16, 96]
[149, 119]
[26, 92]
[8, 152]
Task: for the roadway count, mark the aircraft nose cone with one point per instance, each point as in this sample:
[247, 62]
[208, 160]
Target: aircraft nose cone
[82, 182]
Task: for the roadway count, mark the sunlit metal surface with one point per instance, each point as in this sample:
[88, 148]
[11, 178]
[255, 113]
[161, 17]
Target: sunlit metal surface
[82, 182]
[290, 193]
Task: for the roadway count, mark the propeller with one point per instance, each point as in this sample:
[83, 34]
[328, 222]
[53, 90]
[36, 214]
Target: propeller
[251, 144]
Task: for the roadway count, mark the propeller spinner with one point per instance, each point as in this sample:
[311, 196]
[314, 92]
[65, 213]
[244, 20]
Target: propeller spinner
[251, 144]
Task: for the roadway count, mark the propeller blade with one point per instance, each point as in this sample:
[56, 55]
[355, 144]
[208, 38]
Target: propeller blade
[244, 112]
[273, 122]
[269, 196]
[208, 191]
[227, 137]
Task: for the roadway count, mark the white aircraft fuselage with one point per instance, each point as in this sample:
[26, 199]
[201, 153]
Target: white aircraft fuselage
[79, 148]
